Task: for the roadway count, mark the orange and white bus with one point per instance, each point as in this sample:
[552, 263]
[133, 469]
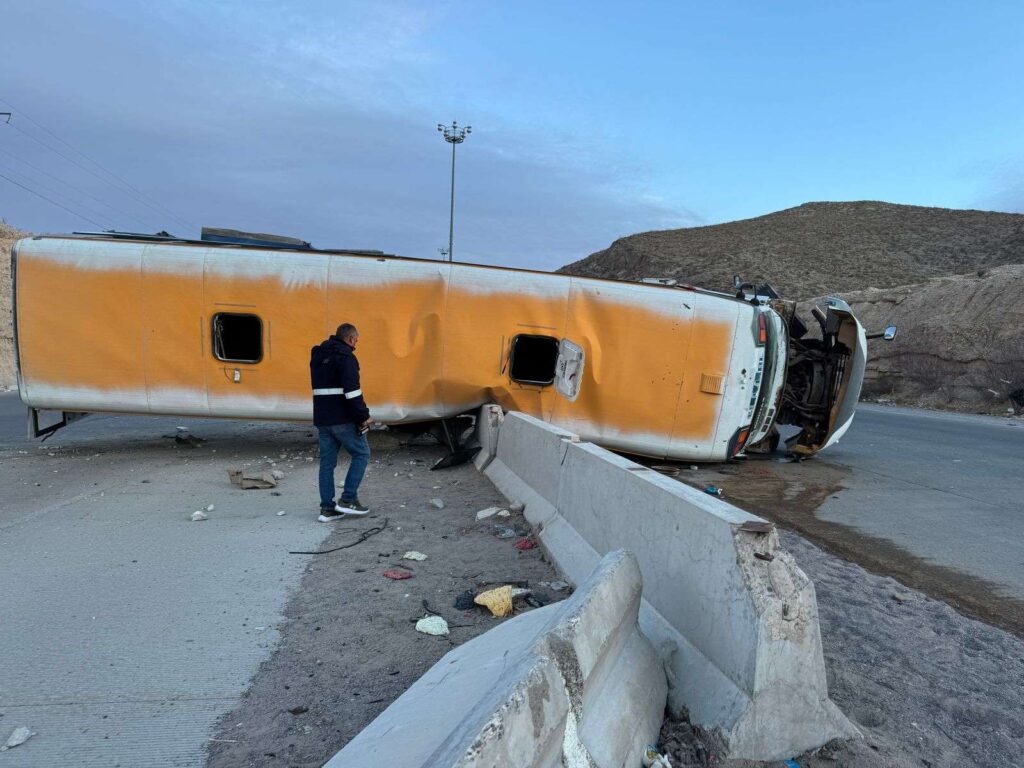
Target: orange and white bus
[136, 324]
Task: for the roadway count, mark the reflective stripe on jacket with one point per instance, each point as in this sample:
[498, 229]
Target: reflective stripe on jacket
[334, 375]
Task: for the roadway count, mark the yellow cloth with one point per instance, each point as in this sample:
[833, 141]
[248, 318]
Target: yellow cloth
[498, 600]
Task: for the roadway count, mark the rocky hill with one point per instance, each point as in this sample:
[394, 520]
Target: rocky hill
[8, 235]
[960, 343]
[819, 248]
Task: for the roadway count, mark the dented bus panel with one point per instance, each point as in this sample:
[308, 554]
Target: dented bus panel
[115, 324]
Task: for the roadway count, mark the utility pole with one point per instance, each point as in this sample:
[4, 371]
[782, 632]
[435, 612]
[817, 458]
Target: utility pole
[453, 135]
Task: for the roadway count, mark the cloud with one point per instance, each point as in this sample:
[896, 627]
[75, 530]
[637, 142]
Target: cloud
[313, 122]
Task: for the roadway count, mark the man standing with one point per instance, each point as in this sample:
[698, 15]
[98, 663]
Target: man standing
[342, 418]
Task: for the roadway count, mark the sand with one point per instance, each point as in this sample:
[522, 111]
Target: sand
[349, 647]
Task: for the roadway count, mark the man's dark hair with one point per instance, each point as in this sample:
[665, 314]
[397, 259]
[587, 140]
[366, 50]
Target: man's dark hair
[346, 331]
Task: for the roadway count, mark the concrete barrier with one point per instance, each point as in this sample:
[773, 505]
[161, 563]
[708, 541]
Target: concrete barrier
[734, 618]
[571, 684]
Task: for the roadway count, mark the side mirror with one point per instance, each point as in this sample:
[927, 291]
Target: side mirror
[888, 334]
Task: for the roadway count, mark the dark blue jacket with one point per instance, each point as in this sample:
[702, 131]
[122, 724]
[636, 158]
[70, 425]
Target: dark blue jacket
[334, 372]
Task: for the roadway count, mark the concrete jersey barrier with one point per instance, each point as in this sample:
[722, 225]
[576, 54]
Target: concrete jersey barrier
[574, 683]
[734, 618]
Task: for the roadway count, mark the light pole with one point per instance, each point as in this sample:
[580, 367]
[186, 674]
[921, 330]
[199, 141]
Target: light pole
[453, 135]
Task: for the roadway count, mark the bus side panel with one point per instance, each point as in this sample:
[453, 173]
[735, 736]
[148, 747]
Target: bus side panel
[699, 412]
[287, 292]
[486, 309]
[80, 325]
[635, 344]
[398, 307]
[174, 337]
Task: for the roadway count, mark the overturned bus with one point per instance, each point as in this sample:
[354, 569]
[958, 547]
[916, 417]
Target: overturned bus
[156, 325]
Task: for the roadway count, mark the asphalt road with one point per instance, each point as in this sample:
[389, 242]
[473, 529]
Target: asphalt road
[947, 488]
[944, 488]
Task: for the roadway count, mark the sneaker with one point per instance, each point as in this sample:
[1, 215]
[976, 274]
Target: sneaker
[351, 507]
[328, 515]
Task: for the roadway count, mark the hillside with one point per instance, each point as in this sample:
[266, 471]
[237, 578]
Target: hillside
[960, 341]
[819, 248]
[8, 235]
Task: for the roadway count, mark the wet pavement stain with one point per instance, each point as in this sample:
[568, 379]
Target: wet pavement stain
[790, 493]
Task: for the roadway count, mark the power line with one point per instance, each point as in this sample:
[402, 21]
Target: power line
[77, 164]
[69, 185]
[44, 197]
[25, 179]
[142, 197]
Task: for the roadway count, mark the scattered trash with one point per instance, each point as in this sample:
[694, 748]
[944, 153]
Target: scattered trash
[767, 557]
[693, 467]
[190, 440]
[483, 514]
[20, 736]
[536, 599]
[516, 507]
[198, 515]
[652, 758]
[498, 601]
[182, 429]
[412, 554]
[791, 764]
[713, 490]
[555, 586]
[209, 507]
[432, 625]
[504, 532]
[464, 602]
[281, 513]
[250, 480]
[437, 503]
[397, 574]
[362, 537]
[277, 473]
[504, 513]
[300, 710]
[525, 543]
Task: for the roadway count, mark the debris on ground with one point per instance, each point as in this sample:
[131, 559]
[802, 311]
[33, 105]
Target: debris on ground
[277, 473]
[536, 599]
[498, 601]
[20, 735]
[516, 507]
[669, 470]
[525, 543]
[483, 514]
[713, 490]
[188, 440]
[209, 507]
[437, 503]
[198, 516]
[412, 554]
[432, 625]
[281, 513]
[654, 759]
[555, 586]
[397, 574]
[465, 601]
[249, 480]
[504, 532]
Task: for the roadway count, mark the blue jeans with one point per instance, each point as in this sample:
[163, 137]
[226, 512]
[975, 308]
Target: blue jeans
[342, 436]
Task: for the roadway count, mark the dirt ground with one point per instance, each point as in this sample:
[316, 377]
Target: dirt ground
[349, 647]
[928, 687]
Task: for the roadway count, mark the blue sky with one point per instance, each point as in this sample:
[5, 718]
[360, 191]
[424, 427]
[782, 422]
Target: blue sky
[590, 120]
